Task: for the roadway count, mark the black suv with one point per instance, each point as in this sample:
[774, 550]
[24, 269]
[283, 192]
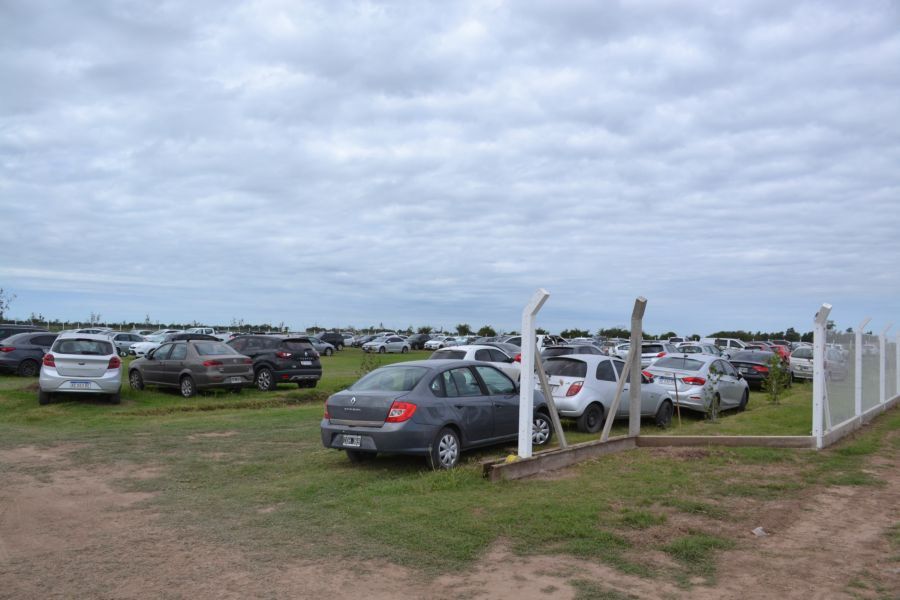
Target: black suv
[333, 338]
[279, 359]
[22, 353]
[8, 329]
[417, 341]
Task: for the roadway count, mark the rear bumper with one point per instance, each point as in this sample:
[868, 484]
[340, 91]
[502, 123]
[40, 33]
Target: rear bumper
[295, 375]
[52, 381]
[396, 438]
[9, 365]
[223, 380]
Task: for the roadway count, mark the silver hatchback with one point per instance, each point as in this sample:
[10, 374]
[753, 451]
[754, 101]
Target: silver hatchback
[81, 363]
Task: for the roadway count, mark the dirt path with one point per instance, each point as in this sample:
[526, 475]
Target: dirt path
[67, 531]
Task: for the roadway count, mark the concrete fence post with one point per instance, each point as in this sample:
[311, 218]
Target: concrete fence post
[526, 380]
[634, 389]
[819, 373]
[858, 358]
[882, 364]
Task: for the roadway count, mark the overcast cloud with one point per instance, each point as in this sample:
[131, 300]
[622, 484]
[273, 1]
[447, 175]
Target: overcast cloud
[411, 163]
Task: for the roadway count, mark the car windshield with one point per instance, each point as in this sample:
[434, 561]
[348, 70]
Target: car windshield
[213, 348]
[680, 363]
[87, 347]
[565, 367]
[448, 354]
[390, 379]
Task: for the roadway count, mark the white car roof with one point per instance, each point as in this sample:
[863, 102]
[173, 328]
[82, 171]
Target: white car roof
[100, 337]
[472, 347]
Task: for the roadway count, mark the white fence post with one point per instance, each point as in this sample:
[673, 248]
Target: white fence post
[857, 376]
[634, 390]
[882, 358]
[526, 380]
[897, 367]
[819, 373]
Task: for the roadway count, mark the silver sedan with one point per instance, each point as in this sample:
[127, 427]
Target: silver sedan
[391, 343]
[701, 382]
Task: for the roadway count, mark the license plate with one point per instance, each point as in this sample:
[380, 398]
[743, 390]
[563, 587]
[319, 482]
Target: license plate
[661, 379]
[745, 370]
[352, 441]
[305, 363]
[81, 385]
[236, 380]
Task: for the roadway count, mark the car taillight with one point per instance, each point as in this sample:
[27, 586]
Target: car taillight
[575, 388]
[694, 380]
[212, 363]
[327, 415]
[648, 375]
[518, 358]
[400, 411]
[315, 354]
[7, 349]
[660, 355]
[760, 368]
[114, 363]
[281, 354]
[49, 360]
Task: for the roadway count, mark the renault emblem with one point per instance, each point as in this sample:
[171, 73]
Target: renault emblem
[353, 400]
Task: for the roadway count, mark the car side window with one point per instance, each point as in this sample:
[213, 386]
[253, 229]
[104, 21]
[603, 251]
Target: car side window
[238, 344]
[254, 344]
[179, 352]
[497, 356]
[619, 365]
[43, 340]
[605, 371]
[497, 383]
[449, 385]
[437, 387]
[484, 355]
[716, 368]
[465, 382]
[162, 353]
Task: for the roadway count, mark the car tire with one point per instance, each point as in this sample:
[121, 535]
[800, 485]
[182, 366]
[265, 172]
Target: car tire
[382, 350]
[28, 368]
[663, 416]
[359, 457]
[136, 380]
[44, 397]
[264, 380]
[541, 430]
[445, 450]
[591, 420]
[404, 350]
[328, 352]
[187, 387]
[123, 353]
[744, 400]
[116, 398]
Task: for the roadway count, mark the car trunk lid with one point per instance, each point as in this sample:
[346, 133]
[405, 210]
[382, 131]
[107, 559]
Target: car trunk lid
[81, 365]
[367, 409]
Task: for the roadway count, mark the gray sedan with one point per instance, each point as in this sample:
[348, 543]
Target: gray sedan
[432, 408]
[391, 343]
[701, 382]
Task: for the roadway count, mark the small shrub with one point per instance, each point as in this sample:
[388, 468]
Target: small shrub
[778, 379]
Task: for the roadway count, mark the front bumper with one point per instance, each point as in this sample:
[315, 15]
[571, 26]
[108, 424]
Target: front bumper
[109, 383]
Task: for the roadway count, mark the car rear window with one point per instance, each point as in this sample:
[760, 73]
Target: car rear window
[550, 352]
[691, 350]
[390, 379]
[680, 363]
[803, 353]
[448, 354]
[297, 346]
[755, 356]
[654, 348]
[565, 367]
[213, 348]
[86, 347]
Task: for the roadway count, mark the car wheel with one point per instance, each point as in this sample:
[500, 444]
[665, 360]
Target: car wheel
[265, 381]
[136, 381]
[116, 398]
[663, 416]
[188, 390]
[28, 368]
[357, 457]
[382, 350]
[404, 350]
[541, 430]
[43, 397]
[445, 450]
[123, 353]
[328, 351]
[744, 400]
[591, 420]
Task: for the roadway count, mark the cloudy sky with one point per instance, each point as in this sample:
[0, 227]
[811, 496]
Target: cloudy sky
[410, 163]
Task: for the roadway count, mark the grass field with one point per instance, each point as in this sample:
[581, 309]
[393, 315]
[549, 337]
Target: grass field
[250, 470]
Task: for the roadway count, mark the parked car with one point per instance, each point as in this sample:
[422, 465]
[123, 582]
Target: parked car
[142, 332]
[359, 340]
[332, 337]
[80, 363]
[437, 342]
[676, 340]
[727, 345]
[22, 353]
[801, 363]
[280, 360]
[650, 351]
[699, 380]
[432, 408]
[486, 354]
[192, 365]
[782, 351]
[393, 343]
[698, 348]
[584, 388]
[124, 341]
[8, 329]
[417, 341]
[94, 330]
[755, 365]
[551, 351]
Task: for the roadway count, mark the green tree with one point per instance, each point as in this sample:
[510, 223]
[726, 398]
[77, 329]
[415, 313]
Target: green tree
[574, 333]
[541, 331]
[487, 331]
[667, 335]
[463, 329]
[425, 329]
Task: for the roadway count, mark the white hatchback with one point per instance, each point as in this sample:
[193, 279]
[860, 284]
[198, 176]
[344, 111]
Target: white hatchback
[81, 364]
